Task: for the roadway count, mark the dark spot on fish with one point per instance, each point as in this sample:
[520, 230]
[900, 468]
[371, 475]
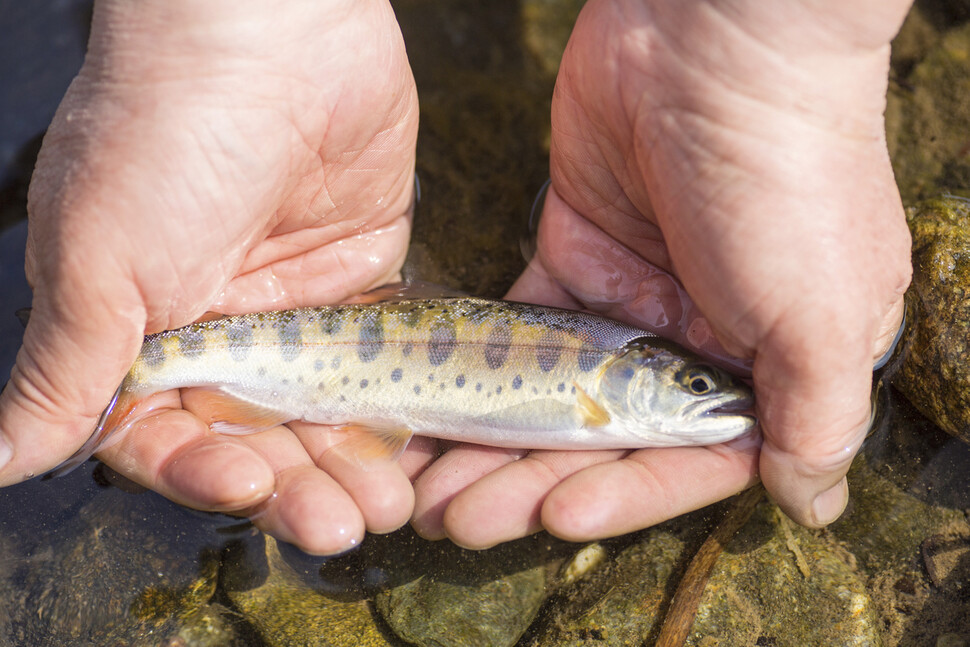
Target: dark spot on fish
[239, 333]
[406, 350]
[431, 377]
[191, 343]
[460, 381]
[588, 358]
[284, 381]
[549, 349]
[442, 343]
[478, 387]
[318, 365]
[261, 371]
[572, 390]
[371, 338]
[441, 386]
[320, 386]
[517, 382]
[535, 391]
[153, 351]
[413, 317]
[335, 363]
[498, 389]
[561, 387]
[497, 344]
[363, 383]
[330, 322]
[291, 339]
[343, 398]
[417, 388]
[345, 380]
[396, 375]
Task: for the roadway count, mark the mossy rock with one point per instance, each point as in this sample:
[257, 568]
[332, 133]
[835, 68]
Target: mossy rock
[935, 373]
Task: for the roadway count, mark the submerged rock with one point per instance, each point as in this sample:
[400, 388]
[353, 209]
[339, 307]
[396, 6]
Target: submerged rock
[775, 584]
[935, 374]
[124, 570]
[286, 609]
[465, 598]
[427, 593]
[926, 117]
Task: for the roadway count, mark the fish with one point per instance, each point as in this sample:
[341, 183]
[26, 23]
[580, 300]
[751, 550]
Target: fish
[469, 369]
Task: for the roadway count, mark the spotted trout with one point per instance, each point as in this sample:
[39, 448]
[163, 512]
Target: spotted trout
[482, 371]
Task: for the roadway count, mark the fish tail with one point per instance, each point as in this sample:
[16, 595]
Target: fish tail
[118, 415]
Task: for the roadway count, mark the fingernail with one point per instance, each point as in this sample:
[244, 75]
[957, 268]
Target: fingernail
[829, 505]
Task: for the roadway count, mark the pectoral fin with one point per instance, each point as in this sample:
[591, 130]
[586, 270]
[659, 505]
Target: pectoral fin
[592, 414]
[226, 413]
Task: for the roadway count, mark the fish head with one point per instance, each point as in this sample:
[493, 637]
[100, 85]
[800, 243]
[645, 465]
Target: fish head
[667, 396]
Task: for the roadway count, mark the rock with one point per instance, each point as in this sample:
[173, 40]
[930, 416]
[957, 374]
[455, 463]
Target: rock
[910, 482]
[926, 119]
[286, 610]
[124, 570]
[775, 584]
[935, 374]
[464, 598]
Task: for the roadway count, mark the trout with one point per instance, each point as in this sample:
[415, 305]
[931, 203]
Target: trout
[475, 370]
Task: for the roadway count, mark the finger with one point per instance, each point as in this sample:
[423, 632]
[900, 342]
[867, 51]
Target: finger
[889, 330]
[535, 285]
[506, 504]
[630, 284]
[308, 507]
[175, 454]
[647, 487]
[455, 470]
[379, 487]
[267, 476]
[814, 410]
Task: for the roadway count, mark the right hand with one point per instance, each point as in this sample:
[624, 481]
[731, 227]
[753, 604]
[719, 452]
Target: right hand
[228, 156]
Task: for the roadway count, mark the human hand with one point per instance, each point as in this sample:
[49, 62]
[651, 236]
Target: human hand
[226, 156]
[739, 147]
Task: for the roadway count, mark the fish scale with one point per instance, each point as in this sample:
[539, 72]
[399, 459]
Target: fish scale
[477, 370]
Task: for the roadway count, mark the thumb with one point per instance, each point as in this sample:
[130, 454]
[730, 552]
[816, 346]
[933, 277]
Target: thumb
[815, 417]
[70, 363]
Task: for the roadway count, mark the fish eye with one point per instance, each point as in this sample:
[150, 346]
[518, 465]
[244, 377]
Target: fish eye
[699, 383]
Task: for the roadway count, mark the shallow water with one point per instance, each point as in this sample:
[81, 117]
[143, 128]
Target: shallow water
[93, 559]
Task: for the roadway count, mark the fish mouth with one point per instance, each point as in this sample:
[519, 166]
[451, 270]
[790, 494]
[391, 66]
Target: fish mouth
[737, 405]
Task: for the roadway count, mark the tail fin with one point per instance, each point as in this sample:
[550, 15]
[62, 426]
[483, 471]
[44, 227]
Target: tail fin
[116, 416]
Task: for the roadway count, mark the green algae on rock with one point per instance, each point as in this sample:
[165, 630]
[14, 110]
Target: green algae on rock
[935, 373]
